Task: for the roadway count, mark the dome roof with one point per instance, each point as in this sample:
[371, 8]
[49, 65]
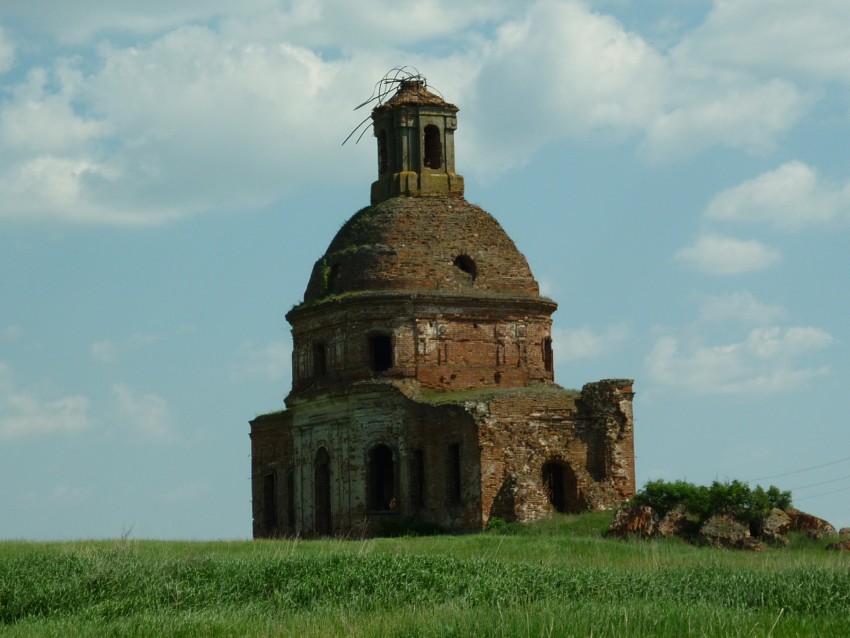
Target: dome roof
[422, 244]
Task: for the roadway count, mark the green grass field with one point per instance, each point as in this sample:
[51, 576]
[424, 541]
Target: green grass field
[557, 578]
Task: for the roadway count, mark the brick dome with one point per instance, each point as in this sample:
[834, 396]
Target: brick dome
[429, 244]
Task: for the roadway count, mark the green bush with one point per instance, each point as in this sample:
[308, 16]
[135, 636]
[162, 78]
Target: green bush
[496, 524]
[735, 498]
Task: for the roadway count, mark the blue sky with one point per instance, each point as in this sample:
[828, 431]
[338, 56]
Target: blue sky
[676, 173]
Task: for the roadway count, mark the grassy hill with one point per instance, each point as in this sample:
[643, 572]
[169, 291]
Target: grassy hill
[556, 578]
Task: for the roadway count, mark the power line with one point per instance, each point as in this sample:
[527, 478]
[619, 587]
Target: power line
[806, 498]
[805, 469]
[835, 480]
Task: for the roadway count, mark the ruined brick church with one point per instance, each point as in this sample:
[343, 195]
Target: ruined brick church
[423, 388]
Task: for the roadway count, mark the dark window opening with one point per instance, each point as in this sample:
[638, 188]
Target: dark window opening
[332, 283]
[417, 478]
[597, 458]
[561, 486]
[290, 501]
[380, 353]
[548, 358]
[383, 160]
[322, 488]
[453, 475]
[270, 504]
[466, 264]
[433, 147]
[381, 480]
[320, 360]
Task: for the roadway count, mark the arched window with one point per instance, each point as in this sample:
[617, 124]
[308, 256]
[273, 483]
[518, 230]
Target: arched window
[548, 357]
[381, 479]
[383, 159]
[322, 488]
[433, 147]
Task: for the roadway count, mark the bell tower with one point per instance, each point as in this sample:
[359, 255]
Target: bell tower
[416, 149]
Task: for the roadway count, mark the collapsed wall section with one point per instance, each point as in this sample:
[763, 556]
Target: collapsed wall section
[548, 449]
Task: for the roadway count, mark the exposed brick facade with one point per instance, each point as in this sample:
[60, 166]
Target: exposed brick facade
[423, 384]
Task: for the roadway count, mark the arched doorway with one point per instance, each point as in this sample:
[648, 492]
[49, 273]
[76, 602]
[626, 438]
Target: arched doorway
[561, 487]
[322, 487]
[381, 480]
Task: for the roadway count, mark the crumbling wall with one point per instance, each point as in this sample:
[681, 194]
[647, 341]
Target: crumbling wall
[587, 436]
[606, 414]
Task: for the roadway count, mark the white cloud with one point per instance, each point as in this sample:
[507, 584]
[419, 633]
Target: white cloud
[806, 39]
[80, 21]
[226, 105]
[559, 71]
[107, 351]
[42, 121]
[775, 343]
[148, 414]
[790, 197]
[48, 186]
[748, 115]
[270, 361]
[25, 414]
[719, 255]
[765, 362]
[190, 122]
[314, 22]
[740, 307]
[586, 343]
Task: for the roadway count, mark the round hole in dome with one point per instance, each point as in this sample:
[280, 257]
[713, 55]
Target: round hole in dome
[466, 264]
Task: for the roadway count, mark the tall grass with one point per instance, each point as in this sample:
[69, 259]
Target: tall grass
[559, 578]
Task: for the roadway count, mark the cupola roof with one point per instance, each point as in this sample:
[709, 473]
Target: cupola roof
[413, 92]
[420, 235]
[422, 244]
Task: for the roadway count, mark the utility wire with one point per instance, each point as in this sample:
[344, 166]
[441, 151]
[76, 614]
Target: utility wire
[806, 498]
[805, 469]
[835, 480]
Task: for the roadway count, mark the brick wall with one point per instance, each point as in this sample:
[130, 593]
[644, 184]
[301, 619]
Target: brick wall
[442, 342]
[504, 440]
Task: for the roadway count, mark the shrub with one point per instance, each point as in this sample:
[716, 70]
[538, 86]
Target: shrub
[496, 524]
[735, 498]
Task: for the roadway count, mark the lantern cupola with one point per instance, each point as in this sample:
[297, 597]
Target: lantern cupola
[416, 153]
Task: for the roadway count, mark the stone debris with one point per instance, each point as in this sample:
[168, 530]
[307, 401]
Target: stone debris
[720, 530]
[723, 531]
[677, 522]
[638, 521]
[775, 526]
[812, 526]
